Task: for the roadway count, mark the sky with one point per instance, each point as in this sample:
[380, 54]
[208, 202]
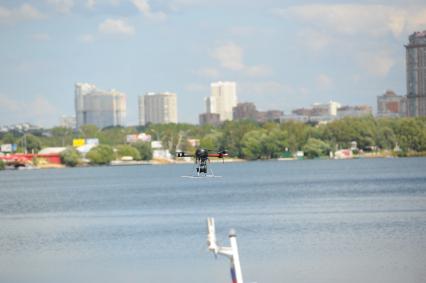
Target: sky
[282, 54]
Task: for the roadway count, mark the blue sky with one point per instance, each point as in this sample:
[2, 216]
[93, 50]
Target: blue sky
[282, 54]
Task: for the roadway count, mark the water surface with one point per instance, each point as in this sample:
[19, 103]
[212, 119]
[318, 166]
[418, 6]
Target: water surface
[297, 221]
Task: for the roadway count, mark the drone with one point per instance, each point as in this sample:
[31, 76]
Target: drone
[201, 158]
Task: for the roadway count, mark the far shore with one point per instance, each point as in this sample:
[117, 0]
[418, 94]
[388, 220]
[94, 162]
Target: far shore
[229, 160]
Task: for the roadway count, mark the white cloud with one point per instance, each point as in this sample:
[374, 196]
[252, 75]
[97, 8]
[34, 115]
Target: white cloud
[323, 81]
[87, 38]
[116, 27]
[378, 64]
[230, 56]
[197, 88]
[250, 31]
[258, 71]
[265, 87]
[90, 4]
[25, 12]
[314, 40]
[40, 36]
[144, 7]
[115, 2]
[8, 105]
[62, 6]
[208, 72]
[39, 110]
[358, 18]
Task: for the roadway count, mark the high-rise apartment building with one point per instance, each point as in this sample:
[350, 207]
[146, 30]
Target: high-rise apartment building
[391, 105]
[416, 74]
[157, 108]
[222, 100]
[98, 107]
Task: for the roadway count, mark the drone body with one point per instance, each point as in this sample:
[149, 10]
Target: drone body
[202, 158]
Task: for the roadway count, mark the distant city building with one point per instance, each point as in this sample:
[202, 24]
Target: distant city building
[246, 110]
[98, 107]
[222, 100]
[67, 122]
[294, 117]
[319, 113]
[416, 74]
[326, 109]
[302, 112]
[354, 111]
[209, 119]
[270, 115]
[391, 105]
[158, 108]
[20, 127]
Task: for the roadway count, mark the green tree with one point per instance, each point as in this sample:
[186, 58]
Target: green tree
[115, 135]
[89, 131]
[70, 157]
[61, 136]
[386, 138]
[144, 149]
[298, 134]
[31, 142]
[410, 135]
[251, 144]
[8, 138]
[127, 150]
[232, 135]
[211, 140]
[274, 143]
[315, 148]
[102, 154]
[2, 165]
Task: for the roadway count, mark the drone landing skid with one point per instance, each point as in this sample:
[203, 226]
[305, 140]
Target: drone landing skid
[201, 176]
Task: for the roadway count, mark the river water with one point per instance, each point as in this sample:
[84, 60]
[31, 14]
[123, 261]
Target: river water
[296, 221]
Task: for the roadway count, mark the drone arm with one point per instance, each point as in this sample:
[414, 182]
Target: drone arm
[183, 154]
[218, 155]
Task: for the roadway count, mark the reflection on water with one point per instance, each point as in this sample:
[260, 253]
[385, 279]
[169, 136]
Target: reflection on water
[309, 221]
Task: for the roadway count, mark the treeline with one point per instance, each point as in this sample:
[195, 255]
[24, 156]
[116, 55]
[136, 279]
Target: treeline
[245, 139]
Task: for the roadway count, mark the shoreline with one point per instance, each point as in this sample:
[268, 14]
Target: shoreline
[120, 163]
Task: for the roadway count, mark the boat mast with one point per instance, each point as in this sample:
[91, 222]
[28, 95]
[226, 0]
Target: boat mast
[230, 252]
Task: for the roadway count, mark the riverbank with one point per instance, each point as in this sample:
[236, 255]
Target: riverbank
[378, 155]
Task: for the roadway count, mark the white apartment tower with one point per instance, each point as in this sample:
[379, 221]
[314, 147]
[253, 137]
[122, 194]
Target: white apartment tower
[222, 100]
[98, 107]
[157, 108]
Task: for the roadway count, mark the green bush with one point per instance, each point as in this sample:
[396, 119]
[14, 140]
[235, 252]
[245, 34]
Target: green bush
[127, 150]
[102, 154]
[70, 157]
[315, 148]
[2, 165]
[145, 150]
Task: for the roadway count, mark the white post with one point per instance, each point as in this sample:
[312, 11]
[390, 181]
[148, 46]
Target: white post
[237, 275]
[230, 252]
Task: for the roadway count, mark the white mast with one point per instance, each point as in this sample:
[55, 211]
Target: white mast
[230, 252]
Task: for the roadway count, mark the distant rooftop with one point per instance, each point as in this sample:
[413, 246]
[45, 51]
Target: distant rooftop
[417, 38]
